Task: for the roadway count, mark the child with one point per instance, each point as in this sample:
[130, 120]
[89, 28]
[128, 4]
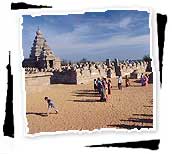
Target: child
[50, 105]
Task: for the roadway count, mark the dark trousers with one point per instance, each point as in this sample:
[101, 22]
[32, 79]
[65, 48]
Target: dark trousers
[119, 86]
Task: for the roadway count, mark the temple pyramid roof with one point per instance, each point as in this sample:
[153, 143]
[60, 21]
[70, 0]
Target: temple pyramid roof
[40, 48]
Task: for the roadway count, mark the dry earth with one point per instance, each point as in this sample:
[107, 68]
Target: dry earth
[80, 109]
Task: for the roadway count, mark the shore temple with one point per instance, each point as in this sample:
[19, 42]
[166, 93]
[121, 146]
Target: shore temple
[41, 56]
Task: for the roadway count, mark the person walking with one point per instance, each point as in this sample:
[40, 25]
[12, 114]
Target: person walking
[95, 85]
[99, 85]
[109, 87]
[146, 80]
[120, 82]
[142, 80]
[127, 81]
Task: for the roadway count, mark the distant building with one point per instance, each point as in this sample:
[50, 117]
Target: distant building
[41, 55]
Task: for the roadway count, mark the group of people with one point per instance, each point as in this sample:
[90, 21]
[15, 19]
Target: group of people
[103, 87]
[127, 82]
[144, 79]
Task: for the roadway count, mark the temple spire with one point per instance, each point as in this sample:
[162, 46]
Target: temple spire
[41, 53]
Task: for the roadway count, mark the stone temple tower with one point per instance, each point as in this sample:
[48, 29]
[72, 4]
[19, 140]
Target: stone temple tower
[41, 55]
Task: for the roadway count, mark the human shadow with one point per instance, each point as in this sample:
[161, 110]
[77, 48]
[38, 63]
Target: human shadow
[137, 81]
[86, 93]
[126, 126]
[38, 113]
[139, 120]
[86, 100]
[146, 115]
[147, 106]
[134, 85]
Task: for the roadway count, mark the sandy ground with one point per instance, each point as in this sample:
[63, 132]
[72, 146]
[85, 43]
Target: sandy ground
[80, 109]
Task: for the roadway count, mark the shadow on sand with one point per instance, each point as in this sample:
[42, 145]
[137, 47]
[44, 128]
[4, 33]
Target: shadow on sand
[38, 113]
[147, 106]
[86, 93]
[129, 126]
[87, 100]
[146, 115]
[137, 81]
[138, 122]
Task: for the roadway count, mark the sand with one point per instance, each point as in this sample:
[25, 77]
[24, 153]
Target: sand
[80, 109]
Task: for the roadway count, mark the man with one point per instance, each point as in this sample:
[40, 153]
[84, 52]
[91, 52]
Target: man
[50, 105]
[120, 82]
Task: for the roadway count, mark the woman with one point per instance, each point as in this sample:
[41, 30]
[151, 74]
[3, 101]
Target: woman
[109, 87]
[146, 79]
[142, 79]
[127, 81]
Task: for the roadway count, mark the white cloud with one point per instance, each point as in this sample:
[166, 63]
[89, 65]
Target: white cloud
[113, 42]
[124, 23]
[74, 41]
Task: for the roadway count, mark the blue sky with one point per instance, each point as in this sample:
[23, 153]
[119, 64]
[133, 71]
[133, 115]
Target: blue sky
[122, 34]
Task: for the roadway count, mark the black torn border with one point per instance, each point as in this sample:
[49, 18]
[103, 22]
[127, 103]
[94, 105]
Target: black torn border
[161, 23]
[8, 127]
[22, 5]
[148, 144]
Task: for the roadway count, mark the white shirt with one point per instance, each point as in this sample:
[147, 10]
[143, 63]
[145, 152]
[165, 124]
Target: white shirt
[120, 79]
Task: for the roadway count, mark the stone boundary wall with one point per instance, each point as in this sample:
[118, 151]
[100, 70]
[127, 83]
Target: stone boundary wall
[64, 77]
[89, 75]
[81, 74]
[133, 71]
[37, 79]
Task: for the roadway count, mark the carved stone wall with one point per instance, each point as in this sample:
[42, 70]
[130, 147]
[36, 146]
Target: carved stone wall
[82, 73]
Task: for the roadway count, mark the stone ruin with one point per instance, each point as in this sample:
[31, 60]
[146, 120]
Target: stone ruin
[41, 57]
[85, 72]
[43, 67]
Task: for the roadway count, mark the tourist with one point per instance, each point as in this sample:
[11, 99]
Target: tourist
[127, 81]
[109, 87]
[104, 90]
[95, 85]
[142, 80]
[102, 94]
[99, 85]
[146, 80]
[120, 82]
[50, 105]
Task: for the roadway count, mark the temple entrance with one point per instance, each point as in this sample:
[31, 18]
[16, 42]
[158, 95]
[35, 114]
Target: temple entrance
[51, 63]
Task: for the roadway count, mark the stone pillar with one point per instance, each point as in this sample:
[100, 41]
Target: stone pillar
[108, 63]
[117, 68]
[149, 68]
[48, 65]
